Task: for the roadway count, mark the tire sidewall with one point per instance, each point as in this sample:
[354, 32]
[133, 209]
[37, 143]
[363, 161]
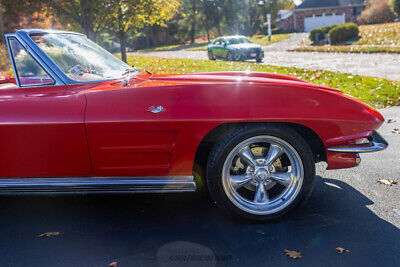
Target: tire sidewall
[230, 56]
[210, 55]
[220, 153]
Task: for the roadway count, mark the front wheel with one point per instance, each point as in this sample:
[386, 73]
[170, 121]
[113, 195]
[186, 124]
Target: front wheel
[230, 56]
[210, 55]
[261, 173]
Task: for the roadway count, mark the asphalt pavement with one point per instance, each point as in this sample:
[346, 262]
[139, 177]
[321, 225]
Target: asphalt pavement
[348, 209]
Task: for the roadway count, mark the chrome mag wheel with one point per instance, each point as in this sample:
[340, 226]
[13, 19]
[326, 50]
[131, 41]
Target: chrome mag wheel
[262, 175]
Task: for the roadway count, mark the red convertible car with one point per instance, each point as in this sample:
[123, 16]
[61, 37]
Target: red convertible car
[75, 119]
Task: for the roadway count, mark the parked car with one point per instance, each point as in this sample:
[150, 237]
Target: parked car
[75, 119]
[234, 48]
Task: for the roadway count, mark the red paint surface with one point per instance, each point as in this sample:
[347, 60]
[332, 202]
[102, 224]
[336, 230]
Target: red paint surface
[104, 129]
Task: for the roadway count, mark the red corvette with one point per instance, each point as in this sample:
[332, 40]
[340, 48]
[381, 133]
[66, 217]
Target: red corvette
[76, 119]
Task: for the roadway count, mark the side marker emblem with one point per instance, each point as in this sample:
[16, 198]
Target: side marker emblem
[156, 110]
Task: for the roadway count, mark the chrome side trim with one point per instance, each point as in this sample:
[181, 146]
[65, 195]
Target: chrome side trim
[376, 143]
[87, 185]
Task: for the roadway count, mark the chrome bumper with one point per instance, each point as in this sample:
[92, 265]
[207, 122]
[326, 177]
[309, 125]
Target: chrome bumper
[376, 143]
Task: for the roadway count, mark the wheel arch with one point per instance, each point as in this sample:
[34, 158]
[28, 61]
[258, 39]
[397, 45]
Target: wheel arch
[219, 132]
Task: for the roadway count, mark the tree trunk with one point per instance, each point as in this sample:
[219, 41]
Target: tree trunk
[218, 26]
[193, 28]
[122, 41]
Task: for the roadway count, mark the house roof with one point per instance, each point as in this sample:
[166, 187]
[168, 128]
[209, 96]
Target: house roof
[328, 3]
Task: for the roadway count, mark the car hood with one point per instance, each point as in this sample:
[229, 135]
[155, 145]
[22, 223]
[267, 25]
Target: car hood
[226, 77]
[244, 46]
[192, 80]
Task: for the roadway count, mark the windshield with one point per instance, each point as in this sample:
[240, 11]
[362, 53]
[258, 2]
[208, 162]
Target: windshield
[81, 59]
[240, 40]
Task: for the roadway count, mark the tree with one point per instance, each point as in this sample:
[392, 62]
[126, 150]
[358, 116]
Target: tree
[211, 16]
[81, 13]
[396, 6]
[120, 17]
[1, 24]
[17, 14]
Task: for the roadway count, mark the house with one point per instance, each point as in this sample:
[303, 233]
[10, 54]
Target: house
[311, 14]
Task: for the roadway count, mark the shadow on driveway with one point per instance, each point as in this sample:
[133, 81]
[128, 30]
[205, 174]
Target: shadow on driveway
[182, 229]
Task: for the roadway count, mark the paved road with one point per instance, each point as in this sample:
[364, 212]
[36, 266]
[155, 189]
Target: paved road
[347, 209]
[378, 65]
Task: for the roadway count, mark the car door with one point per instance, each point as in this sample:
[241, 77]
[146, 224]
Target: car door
[41, 122]
[224, 50]
[216, 48]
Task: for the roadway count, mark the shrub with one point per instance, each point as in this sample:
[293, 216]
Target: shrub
[343, 32]
[377, 11]
[319, 33]
[396, 6]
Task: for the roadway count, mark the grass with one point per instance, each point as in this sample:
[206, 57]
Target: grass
[380, 34]
[196, 46]
[263, 39]
[258, 39]
[379, 38]
[349, 49]
[377, 92]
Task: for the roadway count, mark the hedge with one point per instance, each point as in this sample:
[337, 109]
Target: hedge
[343, 32]
[337, 33]
[319, 33]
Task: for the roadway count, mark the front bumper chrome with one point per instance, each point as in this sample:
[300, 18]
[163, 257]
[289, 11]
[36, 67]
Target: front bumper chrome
[376, 143]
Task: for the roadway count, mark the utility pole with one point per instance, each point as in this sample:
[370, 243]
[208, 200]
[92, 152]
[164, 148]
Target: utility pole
[269, 26]
[268, 23]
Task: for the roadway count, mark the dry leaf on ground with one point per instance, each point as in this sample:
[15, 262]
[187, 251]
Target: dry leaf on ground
[390, 121]
[396, 131]
[113, 264]
[387, 182]
[49, 234]
[341, 250]
[293, 254]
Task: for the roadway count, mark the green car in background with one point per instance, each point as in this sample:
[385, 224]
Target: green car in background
[234, 48]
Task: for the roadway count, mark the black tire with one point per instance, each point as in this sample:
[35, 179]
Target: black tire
[221, 150]
[259, 60]
[230, 56]
[210, 55]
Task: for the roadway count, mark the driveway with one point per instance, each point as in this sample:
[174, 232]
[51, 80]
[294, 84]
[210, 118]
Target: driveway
[378, 65]
[348, 209]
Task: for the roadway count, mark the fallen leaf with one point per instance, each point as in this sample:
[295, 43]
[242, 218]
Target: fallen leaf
[387, 182]
[113, 264]
[49, 234]
[293, 254]
[396, 131]
[341, 250]
[390, 121]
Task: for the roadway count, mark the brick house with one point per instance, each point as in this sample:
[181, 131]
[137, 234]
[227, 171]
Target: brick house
[311, 14]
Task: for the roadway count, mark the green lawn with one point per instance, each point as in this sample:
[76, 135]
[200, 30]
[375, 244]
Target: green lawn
[375, 91]
[263, 39]
[380, 34]
[258, 39]
[350, 49]
[196, 46]
[379, 38]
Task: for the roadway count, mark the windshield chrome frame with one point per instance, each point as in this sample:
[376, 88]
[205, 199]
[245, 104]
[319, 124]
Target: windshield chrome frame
[60, 78]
